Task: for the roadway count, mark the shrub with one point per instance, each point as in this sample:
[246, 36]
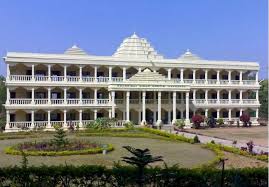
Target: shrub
[197, 120]
[196, 139]
[59, 139]
[250, 145]
[211, 122]
[101, 123]
[129, 125]
[245, 118]
[212, 141]
[220, 121]
[180, 123]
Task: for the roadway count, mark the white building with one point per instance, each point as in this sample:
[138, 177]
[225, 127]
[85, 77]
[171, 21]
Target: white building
[135, 83]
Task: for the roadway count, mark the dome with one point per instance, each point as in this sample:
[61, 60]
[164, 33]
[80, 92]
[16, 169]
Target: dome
[189, 56]
[136, 47]
[75, 50]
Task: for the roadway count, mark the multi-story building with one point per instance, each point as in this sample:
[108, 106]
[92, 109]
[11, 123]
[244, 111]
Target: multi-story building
[135, 83]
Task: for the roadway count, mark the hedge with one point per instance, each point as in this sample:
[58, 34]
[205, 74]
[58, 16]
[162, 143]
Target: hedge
[13, 151]
[87, 175]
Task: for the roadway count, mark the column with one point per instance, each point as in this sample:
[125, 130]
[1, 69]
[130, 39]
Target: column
[124, 73]
[193, 75]
[218, 96]
[49, 72]
[206, 96]
[194, 96]
[206, 76]
[143, 108]
[110, 73]
[241, 96]
[8, 72]
[154, 115]
[169, 116]
[230, 96]
[65, 124]
[95, 114]
[65, 96]
[49, 95]
[32, 118]
[113, 104]
[230, 114]
[80, 95]
[182, 75]
[7, 119]
[218, 79]
[174, 106]
[95, 73]
[8, 96]
[65, 73]
[127, 106]
[241, 77]
[95, 96]
[257, 95]
[33, 96]
[159, 121]
[241, 112]
[139, 115]
[80, 73]
[218, 111]
[206, 112]
[33, 72]
[109, 113]
[80, 118]
[49, 124]
[257, 113]
[187, 120]
[257, 77]
[230, 76]
[139, 70]
[169, 74]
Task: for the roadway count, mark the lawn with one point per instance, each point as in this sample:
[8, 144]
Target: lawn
[259, 135]
[184, 154]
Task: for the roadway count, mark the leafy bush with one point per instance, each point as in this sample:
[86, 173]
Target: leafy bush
[211, 122]
[129, 125]
[197, 120]
[245, 118]
[196, 139]
[87, 175]
[101, 123]
[180, 123]
[220, 121]
[59, 139]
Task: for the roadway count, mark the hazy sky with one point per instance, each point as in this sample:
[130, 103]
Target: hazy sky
[217, 30]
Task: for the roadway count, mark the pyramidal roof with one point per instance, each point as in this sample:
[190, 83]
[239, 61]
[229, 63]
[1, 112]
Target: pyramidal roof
[147, 75]
[189, 56]
[75, 50]
[136, 47]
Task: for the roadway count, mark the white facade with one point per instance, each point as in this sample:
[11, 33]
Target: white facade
[135, 83]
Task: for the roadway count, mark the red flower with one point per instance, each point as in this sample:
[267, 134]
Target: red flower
[244, 118]
[197, 119]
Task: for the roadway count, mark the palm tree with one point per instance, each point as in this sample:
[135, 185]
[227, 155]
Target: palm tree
[140, 159]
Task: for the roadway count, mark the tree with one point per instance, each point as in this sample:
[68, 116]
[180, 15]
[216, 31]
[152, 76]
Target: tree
[2, 101]
[60, 139]
[263, 98]
[141, 158]
[197, 120]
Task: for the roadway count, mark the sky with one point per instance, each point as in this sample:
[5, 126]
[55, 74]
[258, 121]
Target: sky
[214, 30]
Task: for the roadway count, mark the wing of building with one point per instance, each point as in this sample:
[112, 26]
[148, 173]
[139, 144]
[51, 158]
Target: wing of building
[135, 84]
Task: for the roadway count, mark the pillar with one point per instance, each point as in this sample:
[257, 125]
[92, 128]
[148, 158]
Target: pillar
[241, 77]
[218, 96]
[257, 95]
[241, 96]
[127, 106]
[194, 95]
[230, 114]
[8, 72]
[32, 118]
[169, 116]
[109, 113]
[49, 95]
[154, 115]
[49, 124]
[257, 113]
[230, 76]
[159, 121]
[187, 120]
[218, 111]
[80, 118]
[124, 73]
[65, 96]
[95, 114]
[95, 73]
[110, 74]
[95, 96]
[65, 124]
[7, 119]
[174, 107]
[143, 108]
[206, 112]
[8, 96]
[230, 96]
[257, 77]
[33, 96]
[139, 70]
[169, 74]
[113, 104]
[65, 73]
[206, 96]
[49, 72]
[193, 75]
[80, 73]
[218, 79]
[33, 72]
[206, 76]
[182, 75]
[241, 112]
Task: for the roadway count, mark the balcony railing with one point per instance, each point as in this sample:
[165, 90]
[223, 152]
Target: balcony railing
[57, 78]
[41, 78]
[20, 101]
[20, 77]
[212, 81]
[235, 101]
[41, 101]
[224, 81]
[102, 101]
[250, 101]
[249, 82]
[72, 78]
[224, 101]
[87, 101]
[57, 101]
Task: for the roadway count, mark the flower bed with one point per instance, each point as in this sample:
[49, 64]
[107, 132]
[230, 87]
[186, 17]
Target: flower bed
[50, 149]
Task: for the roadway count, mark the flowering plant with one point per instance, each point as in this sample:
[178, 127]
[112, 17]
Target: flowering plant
[197, 120]
[245, 118]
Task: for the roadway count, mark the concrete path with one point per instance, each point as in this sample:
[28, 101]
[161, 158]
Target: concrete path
[206, 139]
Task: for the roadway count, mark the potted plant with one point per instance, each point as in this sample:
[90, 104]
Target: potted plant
[245, 118]
[197, 120]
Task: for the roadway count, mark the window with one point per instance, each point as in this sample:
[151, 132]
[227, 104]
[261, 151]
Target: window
[40, 117]
[28, 72]
[114, 74]
[224, 77]
[86, 74]
[190, 76]
[12, 117]
[71, 95]
[202, 77]
[225, 96]
[12, 94]
[55, 117]
[225, 114]
[100, 74]
[214, 114]
[213, 76]
[40, 95]
[40, 73]
[237, 77]
[214, 96]
[237, 96]
[178, 76]
[28, 117]
[55, 73]
[55, 95]
[237, 114]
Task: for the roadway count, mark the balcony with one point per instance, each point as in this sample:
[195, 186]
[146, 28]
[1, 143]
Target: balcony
[224, 101]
